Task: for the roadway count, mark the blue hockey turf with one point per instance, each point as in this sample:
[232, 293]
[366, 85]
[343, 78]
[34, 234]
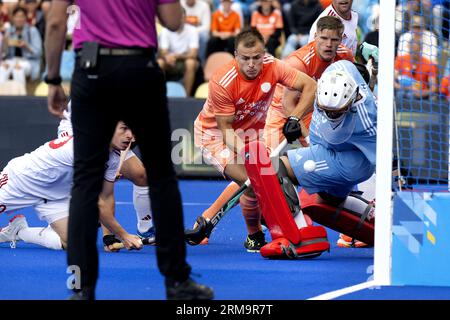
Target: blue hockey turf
[32, 272]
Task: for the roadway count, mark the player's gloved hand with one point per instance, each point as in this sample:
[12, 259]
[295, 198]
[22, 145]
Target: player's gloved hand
[292, 129]
[108, 241]
[368, 50]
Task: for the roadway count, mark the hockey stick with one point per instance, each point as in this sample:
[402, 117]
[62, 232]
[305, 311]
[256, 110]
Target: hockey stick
[145, 241]
[123, 155]
[204, 227]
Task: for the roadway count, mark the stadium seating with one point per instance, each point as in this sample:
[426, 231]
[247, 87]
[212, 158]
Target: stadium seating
[175, 89]
[202, 91]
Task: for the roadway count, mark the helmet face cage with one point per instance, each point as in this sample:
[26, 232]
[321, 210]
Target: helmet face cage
[336, 92]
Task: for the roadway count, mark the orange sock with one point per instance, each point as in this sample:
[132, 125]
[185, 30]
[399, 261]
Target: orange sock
[221, 200]
[252, 213]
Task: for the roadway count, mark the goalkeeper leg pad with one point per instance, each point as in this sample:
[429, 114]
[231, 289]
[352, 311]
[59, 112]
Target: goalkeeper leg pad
[279, 204]
[353, 216]
[312, 244]
[266, 185]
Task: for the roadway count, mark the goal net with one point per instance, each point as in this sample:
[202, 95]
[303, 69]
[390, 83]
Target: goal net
[412, 238]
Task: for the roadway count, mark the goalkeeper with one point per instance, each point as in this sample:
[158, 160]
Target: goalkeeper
[342, 136]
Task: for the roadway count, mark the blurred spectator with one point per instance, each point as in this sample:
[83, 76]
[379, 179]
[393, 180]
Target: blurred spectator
[45, 7]
[23, 49]
[225, 25]
[301, 16]
[438, 10]
[198, 14]
[415, 75]
[241, 7]
[325, 3]
[4, 23]
[269, 22]
[343, 10]
[35, 16]
[4, 17]
[366, 10]
[445, 27]
[405, 11]
[178, 55]
[428, 39]
[372, 36]
[445, 87]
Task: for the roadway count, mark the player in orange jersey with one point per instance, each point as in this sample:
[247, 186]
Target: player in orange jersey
[311, 59]
[235, 112]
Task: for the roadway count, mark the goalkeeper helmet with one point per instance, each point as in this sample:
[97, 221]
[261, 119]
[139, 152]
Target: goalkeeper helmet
[336, 92]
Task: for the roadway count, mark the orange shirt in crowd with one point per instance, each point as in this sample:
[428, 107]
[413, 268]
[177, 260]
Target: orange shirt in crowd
[192, 20]
[445, 86]
[421, 70]
[267, 25]
[221, 22]
[325, 3]
[248, 100]
[308, 61]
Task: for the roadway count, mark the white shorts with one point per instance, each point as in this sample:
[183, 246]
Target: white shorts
[12, 200]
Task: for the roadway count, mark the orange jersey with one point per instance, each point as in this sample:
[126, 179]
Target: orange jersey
[419, 70]
[248, 100]
[445, 86]
[308, 61]
[225, 23]
[267, 25]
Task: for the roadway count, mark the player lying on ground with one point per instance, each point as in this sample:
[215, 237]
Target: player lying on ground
[131, 168]
[42, 179]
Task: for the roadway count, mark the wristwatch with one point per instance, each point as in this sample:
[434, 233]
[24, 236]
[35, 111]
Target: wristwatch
[54, 81]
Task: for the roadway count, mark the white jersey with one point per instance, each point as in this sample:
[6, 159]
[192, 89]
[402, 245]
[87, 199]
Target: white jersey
[47, 172]
[349, 38]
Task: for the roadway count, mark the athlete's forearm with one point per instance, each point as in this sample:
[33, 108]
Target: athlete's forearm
[307, 86]
[106, 210]
[230, 138]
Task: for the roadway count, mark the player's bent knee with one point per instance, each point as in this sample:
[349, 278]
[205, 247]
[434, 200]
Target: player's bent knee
[53, 240]
[289, 172]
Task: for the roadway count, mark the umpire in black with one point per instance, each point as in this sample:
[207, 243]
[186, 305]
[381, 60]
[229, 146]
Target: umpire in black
[116, 78]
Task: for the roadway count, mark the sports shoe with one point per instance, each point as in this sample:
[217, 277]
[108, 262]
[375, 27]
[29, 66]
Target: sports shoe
[187, 290]
[150, 233]
[255, 241]
[349, 242]
[9, 233]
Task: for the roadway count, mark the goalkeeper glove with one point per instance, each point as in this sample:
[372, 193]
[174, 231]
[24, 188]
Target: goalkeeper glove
[292, 129]
[369, 50]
